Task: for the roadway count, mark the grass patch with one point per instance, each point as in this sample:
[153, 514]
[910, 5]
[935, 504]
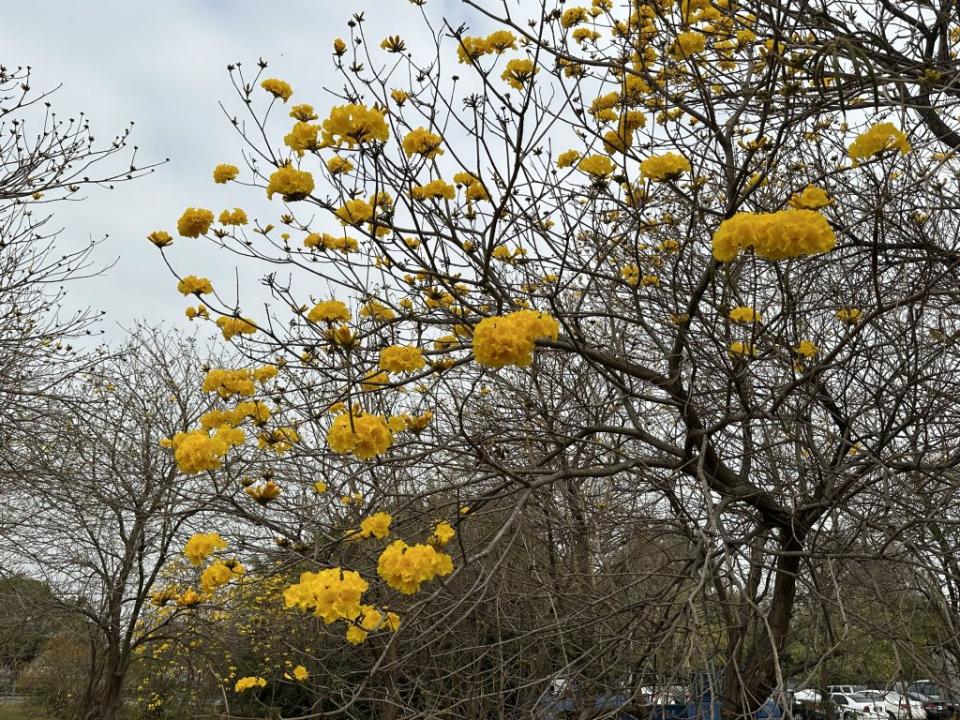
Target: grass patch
[20, 711]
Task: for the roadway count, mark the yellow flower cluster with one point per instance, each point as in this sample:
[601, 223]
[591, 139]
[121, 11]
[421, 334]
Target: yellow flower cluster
[442, 533]
[510, 339]
[377, 525]
[877, 139]
[371, 619]
[200, 546]
[744, 315]
[353, 124]
[256, 411]
[332, 594]
[303, 113]
[302, 138]
[263, 494]
[219, 574]
[475, 188]
[848, 315]
[774, 236]
[568, 158]
[194, 222]
[688, 44]
[330, 242]
[246, 683]
[401, 358]
[339, 165]
[191, 284]
[742, 349]
[422, 142]
[366, 436]
[233, 217]
[229, 382]
[668, 166]
[224, 173]
[291, 183]
[471, 49]
[160, 238]
[277, 88]
[806, 349]
[433, 189]
[197, 450]
[329, 311]
[598, 166]
[573, 16]
[812, 198]
[519, 72]
[231, 326]
[355, 212]
[404, 567]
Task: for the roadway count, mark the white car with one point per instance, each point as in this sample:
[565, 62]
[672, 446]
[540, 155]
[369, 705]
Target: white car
[858, 707]
[897, 705]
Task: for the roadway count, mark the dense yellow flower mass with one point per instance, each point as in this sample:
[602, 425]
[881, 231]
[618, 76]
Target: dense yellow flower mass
[332, 594]
[353, 124]
[442, 533]
[330, 242]
[519, 72]
[277, 88]
[233, 217]
[422, 142]
[812, 198]
[197, 450]
[200, 546]
[598, 166]
[231, 326]
[433, 189]
[743, 314]
[339, 165]
[355, 212]
[376, 525]
[219, 573]
[668, 166]
[194, 222]
[401, 358]
[302, 138]
[774, 236]
[229, 382]
[224, 173]
[191, 284]
[878, 138]
[510, 339]
[689, 43]
[568, 158]
[329, 311]
[405, 567]
[365, 436]
[246, 683]
[291, 183]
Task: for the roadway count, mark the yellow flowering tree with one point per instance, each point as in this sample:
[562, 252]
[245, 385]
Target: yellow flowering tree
[644, 316]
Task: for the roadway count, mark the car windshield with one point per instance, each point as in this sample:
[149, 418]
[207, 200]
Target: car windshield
[858, 698]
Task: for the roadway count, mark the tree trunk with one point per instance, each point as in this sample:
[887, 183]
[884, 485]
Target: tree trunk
[758, 677]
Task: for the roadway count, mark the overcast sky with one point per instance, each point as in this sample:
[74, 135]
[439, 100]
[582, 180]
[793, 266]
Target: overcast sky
[163, 65]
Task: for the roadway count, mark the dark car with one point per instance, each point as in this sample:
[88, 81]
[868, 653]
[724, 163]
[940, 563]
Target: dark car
[937, 704]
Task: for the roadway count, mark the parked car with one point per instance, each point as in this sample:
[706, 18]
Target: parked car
[897, 705]
[857, 707]
[936, 703]
[846, 689]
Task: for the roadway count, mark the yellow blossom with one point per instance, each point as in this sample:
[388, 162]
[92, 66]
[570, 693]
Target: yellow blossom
[277, 88]
[224, 173]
